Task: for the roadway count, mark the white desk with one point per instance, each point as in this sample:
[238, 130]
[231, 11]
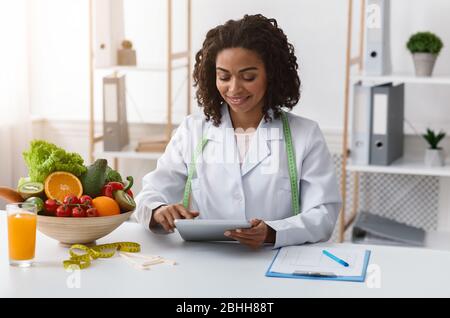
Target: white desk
[212, 270]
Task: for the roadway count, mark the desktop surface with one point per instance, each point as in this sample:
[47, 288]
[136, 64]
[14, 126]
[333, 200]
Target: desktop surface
[213, 269]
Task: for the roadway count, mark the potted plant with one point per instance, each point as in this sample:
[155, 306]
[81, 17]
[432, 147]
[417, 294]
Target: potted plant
[434, 155]
[425, 47]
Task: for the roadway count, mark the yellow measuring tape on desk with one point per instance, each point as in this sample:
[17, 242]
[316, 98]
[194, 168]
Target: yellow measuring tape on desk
[100, 251]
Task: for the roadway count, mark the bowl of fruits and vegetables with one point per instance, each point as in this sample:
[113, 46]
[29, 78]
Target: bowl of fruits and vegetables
[75, 203]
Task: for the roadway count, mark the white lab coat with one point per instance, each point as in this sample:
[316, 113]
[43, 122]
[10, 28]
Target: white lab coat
[260, 188]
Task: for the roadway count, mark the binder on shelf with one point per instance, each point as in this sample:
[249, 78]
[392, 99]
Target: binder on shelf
[377, 58]
[115, 123]
[374, 229]
[361, 121]
[386, 140]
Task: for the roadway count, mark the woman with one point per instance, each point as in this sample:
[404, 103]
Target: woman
[244, 157]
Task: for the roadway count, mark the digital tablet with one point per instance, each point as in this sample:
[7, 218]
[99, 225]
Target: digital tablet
[208, 230]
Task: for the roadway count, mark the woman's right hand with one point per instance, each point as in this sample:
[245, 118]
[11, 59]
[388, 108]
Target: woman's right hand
[165, 215]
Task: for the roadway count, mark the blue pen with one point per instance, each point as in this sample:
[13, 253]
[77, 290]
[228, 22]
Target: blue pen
[335, 258]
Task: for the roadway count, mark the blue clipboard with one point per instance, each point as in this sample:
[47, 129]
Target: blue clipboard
[360, 279]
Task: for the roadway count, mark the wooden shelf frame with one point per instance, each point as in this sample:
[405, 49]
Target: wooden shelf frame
[171, 56]
[350, 62]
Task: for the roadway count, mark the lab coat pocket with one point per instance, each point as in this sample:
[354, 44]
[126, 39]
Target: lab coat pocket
[284, 208]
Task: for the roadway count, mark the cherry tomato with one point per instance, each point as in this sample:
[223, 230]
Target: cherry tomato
[78, 212]
[63, 211]
[92, 212]
[50, 206]
[71, 199]
[86, 200]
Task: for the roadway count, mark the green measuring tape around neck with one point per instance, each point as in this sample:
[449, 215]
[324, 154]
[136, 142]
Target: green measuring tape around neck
[293, 177]
[83, 261]
[191, 171]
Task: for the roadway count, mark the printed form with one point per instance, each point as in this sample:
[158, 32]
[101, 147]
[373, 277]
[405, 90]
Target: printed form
[311, 259]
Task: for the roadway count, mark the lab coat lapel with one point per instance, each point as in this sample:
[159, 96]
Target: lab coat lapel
[259, 144]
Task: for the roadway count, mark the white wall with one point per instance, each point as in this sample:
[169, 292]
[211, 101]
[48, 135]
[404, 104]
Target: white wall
[317, 30]
[59, 73]
[59, 69]
[15, 126]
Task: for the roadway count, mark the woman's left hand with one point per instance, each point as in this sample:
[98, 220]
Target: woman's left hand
[255, 236]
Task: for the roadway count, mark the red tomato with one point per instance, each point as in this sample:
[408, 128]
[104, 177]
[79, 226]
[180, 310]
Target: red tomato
[86, 200]
[78, 212]
[63, 211]
[50, 206]
[71, 199]
[92, 212]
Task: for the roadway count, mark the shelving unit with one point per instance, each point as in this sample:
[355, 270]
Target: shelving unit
[174, 60]
[157, 67]
[407, 165]
[129, 152]
[403, 78]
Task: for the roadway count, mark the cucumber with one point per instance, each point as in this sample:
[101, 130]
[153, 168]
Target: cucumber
[31, 189]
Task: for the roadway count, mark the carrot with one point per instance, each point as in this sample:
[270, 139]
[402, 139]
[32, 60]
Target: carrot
[10, 195]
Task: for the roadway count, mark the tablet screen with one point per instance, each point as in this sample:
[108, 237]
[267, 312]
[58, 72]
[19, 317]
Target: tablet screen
[208, 230]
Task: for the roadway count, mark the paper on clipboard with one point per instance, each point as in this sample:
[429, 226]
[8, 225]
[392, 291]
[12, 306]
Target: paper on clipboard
[292, 259]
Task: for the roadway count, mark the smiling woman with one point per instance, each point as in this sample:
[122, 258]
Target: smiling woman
[267, 66]
[282, 181]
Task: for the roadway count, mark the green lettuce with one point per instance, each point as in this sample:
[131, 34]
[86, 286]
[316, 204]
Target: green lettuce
[43, 158]
[112, 175]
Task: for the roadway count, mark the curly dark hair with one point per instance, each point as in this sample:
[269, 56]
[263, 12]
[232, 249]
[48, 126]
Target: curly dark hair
[263, 36]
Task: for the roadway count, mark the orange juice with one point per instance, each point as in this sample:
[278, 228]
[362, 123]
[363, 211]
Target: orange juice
[22, 235]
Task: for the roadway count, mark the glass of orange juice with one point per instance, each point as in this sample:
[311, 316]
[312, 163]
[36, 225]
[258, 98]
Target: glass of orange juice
[22, 220]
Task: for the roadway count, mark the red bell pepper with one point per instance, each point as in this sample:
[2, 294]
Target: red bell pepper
[130, 193]
[116, 185]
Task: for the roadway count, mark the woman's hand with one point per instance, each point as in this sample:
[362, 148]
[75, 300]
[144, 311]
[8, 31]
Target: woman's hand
[255, 236]
[165, 215]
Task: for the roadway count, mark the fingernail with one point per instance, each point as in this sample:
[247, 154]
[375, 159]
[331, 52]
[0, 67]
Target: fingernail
[238, 230]
[227, 233]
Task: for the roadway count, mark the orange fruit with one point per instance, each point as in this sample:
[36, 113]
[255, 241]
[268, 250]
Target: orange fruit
[59, 184]
[106, 206]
